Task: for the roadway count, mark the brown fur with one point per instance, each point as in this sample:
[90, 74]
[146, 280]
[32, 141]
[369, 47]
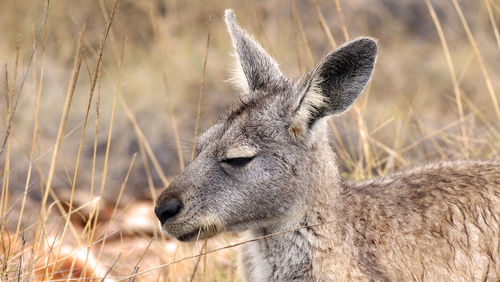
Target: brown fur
[437, 222]
[267, 169]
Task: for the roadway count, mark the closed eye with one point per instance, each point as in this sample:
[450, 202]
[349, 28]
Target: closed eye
[238, 162]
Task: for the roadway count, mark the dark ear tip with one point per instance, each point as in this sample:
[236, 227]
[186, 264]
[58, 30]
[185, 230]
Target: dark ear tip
[367, 44]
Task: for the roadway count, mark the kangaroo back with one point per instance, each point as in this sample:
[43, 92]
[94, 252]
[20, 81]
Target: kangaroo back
[437, 222]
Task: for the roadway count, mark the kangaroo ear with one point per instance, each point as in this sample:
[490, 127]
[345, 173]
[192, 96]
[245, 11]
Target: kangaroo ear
[255, 69]
[335, 84]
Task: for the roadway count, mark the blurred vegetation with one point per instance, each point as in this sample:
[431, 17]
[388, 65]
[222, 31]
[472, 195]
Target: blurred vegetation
[418, 108]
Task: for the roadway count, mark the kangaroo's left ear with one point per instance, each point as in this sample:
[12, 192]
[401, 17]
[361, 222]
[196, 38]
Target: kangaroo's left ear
[255, 69]
[335, 84]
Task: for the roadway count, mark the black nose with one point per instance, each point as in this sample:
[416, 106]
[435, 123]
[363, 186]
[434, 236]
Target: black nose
[168, 209]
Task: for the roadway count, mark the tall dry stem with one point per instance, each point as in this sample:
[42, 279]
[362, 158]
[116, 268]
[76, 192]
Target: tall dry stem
[479, 57]
[451, 69]
[202, 90]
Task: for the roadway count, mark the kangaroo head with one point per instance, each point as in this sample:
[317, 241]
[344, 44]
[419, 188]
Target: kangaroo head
[259, 165]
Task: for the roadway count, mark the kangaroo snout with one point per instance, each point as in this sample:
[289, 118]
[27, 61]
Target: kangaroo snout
[167, 207]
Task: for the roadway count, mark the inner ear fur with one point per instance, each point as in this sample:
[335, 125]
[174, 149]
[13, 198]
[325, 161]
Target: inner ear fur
[335, 84]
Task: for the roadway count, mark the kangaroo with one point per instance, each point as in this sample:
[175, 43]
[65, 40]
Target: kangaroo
[267, 169]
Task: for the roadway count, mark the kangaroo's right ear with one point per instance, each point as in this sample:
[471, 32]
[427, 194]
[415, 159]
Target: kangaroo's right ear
[255, 69]
[335, 84]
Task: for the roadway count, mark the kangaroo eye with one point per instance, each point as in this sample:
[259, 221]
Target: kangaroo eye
[238, 162]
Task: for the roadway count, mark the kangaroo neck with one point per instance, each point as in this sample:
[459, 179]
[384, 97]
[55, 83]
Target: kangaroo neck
[289, 249]
[281, 257]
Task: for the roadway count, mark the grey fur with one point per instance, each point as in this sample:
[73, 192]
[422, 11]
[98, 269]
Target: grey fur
[437, 222]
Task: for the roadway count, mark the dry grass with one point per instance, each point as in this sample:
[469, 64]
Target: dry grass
[77, 204]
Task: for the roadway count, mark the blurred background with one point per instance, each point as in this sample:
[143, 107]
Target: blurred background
[434, 96]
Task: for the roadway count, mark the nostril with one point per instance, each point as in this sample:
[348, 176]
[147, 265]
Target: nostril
[168, 209]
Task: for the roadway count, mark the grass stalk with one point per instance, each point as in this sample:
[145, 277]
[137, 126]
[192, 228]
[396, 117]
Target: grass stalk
[302, 35]
[33, 148]
[56, 148]
[163, 52]
[138, 274]
[324, 25]
[95, 217]
[493, 23]
[118, 200]
[77, 62]
[342, 20]
[142, 139]
[202, 90]
[479, 57]
[451, 69]
[297, 41]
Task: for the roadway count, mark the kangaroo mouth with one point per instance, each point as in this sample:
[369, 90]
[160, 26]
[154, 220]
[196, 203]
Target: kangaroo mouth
[199, 234]
[190, 228]
[190, 231]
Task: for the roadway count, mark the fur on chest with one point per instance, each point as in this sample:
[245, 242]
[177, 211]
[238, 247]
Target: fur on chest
[285, 257]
